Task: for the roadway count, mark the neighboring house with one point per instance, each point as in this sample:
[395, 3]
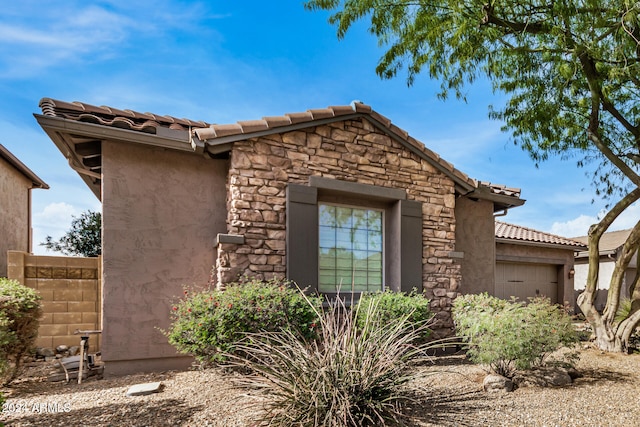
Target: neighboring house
[530, 263]
[325, 197]
[16, 182]
[610, 248]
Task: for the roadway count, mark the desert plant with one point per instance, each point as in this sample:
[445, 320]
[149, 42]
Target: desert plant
[511, 335]
[354, 374]
[207, 324]
[394, 305]
[19, 320]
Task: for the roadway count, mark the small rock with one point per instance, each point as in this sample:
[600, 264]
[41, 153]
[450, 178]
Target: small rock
[494, 382]
[73, 350]
[44, 352]
[144, 389]
[61, 349]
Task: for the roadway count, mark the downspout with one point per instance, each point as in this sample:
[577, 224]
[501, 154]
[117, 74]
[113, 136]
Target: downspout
[503, 213]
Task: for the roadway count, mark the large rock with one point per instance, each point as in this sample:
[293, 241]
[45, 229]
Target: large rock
[497, 383]
[548, 376]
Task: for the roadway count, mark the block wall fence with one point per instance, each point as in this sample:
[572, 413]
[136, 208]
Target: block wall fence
[71, 289]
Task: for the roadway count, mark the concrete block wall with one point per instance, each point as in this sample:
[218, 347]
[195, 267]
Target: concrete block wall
[71, 289]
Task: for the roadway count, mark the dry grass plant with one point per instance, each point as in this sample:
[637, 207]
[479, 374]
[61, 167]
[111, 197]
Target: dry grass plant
[354, 374]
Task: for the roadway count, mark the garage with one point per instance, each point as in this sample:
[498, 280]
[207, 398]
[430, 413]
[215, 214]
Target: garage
[526, 280]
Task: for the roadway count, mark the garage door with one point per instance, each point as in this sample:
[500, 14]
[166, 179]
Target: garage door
[526, 280]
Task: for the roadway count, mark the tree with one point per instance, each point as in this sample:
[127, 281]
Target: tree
[570, 70]
[83, 239]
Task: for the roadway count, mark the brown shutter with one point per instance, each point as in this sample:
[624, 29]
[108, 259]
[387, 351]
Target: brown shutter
[410, 245]
[302, 235]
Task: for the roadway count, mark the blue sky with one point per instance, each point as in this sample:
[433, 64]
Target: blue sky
[224, 61]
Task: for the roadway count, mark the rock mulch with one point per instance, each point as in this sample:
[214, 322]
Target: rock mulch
[450, 394]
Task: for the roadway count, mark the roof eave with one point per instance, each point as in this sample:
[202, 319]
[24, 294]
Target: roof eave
[501, 202]
[60, 131]
[224, 143]
[36, 181]
[539, 244]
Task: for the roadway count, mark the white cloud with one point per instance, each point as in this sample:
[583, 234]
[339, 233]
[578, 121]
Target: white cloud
[574, 227]
[54, 220]
[580, 226]
[34, 38]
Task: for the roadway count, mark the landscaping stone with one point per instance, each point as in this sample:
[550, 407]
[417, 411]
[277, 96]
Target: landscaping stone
[548, 376]
[144, 389]
[497, 383]
[44, 352]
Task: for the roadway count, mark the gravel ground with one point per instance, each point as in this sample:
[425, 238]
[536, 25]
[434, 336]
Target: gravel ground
[608, 394]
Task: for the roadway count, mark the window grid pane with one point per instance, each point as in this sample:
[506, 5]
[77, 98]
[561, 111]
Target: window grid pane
[350, 249]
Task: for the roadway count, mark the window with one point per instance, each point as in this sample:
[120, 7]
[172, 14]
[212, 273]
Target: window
[350, 249]
[371, 237]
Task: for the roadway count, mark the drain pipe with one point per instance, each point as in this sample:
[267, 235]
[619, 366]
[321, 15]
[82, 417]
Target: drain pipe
[503, 213]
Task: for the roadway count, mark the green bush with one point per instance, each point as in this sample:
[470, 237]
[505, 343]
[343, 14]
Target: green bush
[207, 324]
[19, 320]
[509, 336]
[394, 305]
[354, 374]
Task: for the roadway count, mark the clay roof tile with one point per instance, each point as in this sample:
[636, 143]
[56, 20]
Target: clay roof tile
[321, 113]
[249, 126]
[226, 130]
[299, 117]
[277, 121]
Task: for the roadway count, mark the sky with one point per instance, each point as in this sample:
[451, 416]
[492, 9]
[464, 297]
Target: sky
[225, 61]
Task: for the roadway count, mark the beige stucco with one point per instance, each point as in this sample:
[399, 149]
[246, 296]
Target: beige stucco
[15, 213]
[475, 244]
[161, 212]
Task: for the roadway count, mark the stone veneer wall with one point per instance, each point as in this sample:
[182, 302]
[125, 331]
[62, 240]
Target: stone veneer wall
[70, 288]
[352, 151]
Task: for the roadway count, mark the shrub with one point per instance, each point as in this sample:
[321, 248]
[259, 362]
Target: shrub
[354, 374]
[207, 324]
[19, 320]
[509, 336]
[394, 305]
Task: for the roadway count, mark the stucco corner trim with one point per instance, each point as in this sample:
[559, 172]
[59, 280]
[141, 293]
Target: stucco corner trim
[229, 238]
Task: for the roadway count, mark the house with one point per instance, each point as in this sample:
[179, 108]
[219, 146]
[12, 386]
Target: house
[330, 197]
[16, 183]
[610, 248]
[531, 263]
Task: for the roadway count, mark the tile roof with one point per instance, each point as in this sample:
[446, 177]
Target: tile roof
[212, 137]
[516, 233]
[22, 168]
[108, 116]
[610, 241]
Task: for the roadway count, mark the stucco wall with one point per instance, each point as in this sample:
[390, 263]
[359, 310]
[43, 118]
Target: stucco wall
[14, 213]
[161, 213]
[563, 258]
[607, 265]
[353, 151]
[475, 241]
